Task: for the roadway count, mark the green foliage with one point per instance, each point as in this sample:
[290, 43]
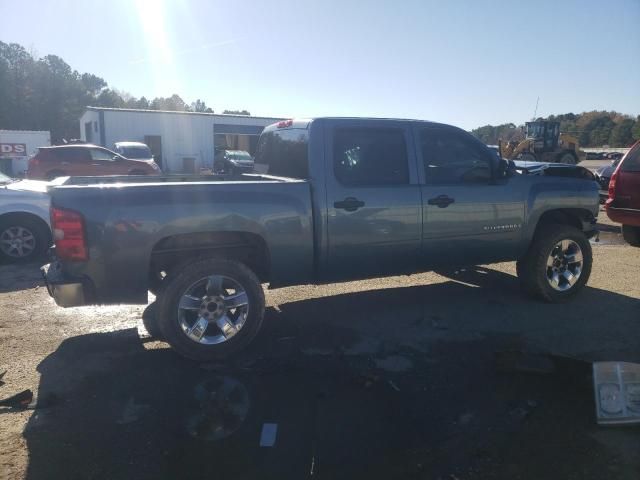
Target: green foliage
[47, 94]
[593, 129]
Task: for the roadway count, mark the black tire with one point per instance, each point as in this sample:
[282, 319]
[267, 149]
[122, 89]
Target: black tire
[55, 174]
[150, 321]
[36, 227]
[631, 235]
[532, 268]
[567, 157]
[181, 279]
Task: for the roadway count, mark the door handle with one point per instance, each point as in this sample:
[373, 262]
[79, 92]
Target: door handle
[350, 204]
[441, 201]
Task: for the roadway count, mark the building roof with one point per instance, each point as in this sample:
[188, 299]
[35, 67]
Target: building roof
[140, 110]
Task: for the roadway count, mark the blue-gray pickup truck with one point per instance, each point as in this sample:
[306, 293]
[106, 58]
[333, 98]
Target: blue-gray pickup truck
[331, 199]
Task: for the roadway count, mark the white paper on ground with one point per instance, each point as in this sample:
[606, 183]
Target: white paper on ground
[617, 392]
[268, 436]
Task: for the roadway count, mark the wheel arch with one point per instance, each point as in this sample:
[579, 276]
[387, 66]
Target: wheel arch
[248, 248]
[579, 218]
[30, 215]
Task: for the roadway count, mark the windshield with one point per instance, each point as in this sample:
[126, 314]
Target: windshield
[135, 152]
[535, 130]
[239, 156]
[283, 153]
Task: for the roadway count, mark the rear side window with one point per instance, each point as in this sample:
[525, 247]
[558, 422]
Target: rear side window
[451, 157]
[370, 156]
[632, 162]
[65, 154]
[283, 153]
[98, 154]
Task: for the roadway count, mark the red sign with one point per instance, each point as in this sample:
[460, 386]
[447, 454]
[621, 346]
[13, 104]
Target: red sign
[13, 149]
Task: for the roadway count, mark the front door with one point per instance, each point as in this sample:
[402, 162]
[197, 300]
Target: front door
[373, 199]
[468, 218]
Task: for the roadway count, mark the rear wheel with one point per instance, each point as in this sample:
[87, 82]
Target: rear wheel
[557, 264]
[55, 174]
[631, 235]
[22, 239]
[210, 309]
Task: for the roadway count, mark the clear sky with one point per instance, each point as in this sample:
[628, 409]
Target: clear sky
[467, 63]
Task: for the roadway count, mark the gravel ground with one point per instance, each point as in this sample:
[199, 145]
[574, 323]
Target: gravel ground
[384, 378]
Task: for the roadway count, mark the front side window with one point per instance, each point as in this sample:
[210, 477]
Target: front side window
[370, 156]
[100, 155]
[450, 157]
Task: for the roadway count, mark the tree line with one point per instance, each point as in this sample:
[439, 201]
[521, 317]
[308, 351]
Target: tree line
[592, 129]
[47, 94]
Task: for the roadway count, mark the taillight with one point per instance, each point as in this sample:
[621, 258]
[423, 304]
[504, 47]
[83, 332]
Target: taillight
[68, 235]
[612, 185]
[284, 124]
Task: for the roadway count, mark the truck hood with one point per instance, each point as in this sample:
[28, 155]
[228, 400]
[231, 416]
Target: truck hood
[28, 186]
[554, 169]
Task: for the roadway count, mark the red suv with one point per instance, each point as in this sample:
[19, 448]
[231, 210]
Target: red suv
[85, 160]
[623, 204]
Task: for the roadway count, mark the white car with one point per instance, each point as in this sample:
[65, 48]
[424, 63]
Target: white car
[25, 233]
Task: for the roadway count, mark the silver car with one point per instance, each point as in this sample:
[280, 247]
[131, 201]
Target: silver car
[24, 219]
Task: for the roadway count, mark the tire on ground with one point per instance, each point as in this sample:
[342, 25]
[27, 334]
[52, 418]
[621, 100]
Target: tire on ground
[532, 268]
[631, 235]
[150, 321]
[568, 157]
[180, 280]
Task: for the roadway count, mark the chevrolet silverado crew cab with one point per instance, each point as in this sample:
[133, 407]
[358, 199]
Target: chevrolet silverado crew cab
[332, 199]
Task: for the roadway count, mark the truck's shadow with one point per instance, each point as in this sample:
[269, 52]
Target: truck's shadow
[354, 382]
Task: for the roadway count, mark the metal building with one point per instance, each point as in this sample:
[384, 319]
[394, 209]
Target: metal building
[179, 141]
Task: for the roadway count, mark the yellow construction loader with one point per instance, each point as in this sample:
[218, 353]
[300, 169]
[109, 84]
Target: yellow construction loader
[543, 143]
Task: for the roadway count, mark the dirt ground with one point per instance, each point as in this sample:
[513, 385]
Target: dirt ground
[389, 378]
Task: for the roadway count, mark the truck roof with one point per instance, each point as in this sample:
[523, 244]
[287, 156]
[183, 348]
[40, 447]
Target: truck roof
[305, 122]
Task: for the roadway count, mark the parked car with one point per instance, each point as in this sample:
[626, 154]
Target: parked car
[232, 161]
[615, 155]
[623, 204]
[603, 176]
[24, 219]
[85, 160]
[134, 151]
[340, 199]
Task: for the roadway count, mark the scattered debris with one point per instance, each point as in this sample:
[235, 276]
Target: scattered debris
[132, 412]
[19, 400]
[617, 393]
[394, 363]
[268, 435]
[393, 385]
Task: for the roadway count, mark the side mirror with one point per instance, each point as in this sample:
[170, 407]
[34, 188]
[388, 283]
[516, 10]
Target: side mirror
[506, 168]
[116, 158]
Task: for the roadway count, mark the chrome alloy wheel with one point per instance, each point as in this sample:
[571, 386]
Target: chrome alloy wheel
[564, 265]
[213, 310]
[17, 242]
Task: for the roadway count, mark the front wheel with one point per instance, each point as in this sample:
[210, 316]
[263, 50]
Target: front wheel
[22, 239]
[568, 158]
[557, 264]
[527, 157]
[210, 309]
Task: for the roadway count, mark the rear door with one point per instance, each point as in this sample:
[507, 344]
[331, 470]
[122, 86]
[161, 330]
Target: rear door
[467, 217]
[373, 199]
[628, 183]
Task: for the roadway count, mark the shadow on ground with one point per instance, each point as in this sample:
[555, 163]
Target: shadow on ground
[360, 385]
[18, 276]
